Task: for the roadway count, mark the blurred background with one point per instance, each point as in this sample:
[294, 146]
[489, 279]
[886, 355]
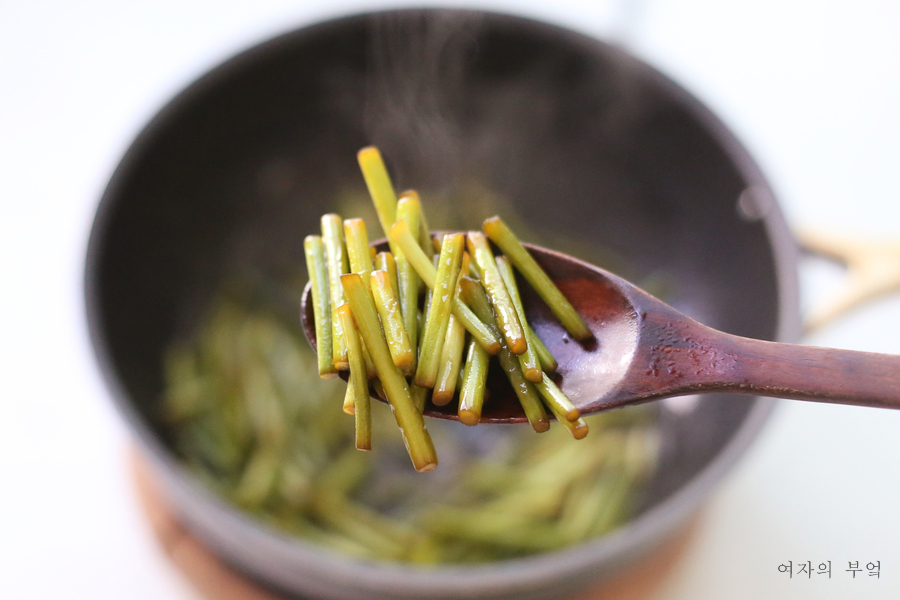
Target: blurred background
[811, 88]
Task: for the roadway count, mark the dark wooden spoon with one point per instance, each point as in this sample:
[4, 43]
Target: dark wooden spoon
[645, 350]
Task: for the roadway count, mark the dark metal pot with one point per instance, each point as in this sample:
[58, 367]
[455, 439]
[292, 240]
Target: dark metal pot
[582, 141]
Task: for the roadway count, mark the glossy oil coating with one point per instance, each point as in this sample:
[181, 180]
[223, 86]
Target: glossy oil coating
[587, 370]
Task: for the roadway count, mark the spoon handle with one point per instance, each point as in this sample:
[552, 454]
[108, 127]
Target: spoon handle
[811, 373]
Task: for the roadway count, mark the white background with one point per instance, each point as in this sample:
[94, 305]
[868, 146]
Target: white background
[813, 89]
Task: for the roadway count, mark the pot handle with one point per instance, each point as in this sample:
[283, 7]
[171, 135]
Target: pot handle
[872, 270]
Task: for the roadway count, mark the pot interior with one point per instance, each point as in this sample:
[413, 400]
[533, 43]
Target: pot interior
[580, 147]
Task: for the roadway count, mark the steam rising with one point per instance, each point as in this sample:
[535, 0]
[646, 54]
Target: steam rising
[414, 90]
[460, 106]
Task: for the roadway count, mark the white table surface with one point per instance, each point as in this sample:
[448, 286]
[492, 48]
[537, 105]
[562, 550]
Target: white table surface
[812, 88]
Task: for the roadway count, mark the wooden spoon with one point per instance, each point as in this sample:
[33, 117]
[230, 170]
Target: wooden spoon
[645, 350]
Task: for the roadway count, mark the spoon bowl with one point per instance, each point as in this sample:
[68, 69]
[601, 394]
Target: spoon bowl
[643, 349]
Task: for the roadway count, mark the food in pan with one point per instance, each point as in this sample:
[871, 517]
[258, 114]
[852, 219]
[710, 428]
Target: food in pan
[253, 414]
[250, 417]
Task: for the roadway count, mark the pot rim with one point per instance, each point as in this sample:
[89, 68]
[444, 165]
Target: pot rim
[628, 541]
